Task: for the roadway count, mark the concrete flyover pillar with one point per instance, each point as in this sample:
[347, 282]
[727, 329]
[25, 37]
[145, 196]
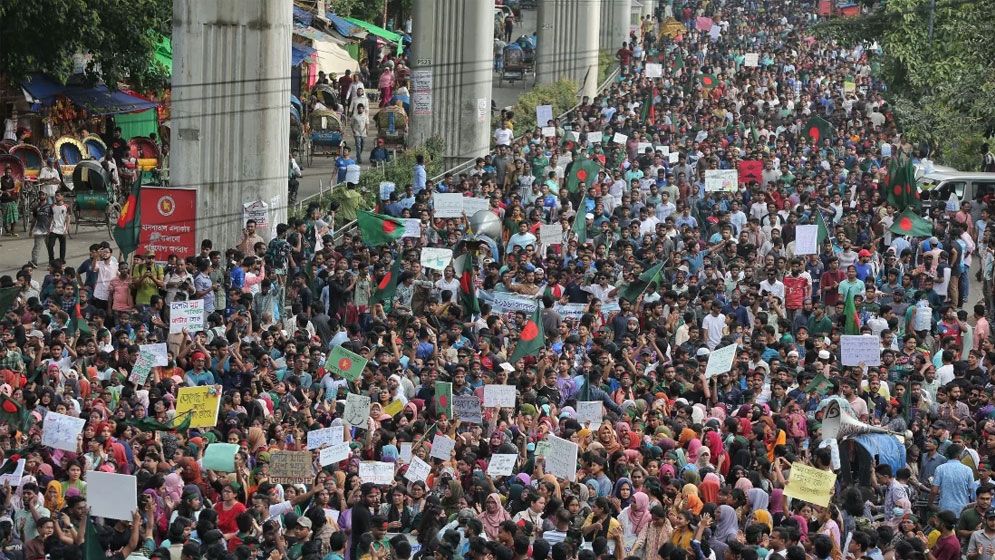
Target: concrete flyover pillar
[451, 72]
[569, 43]
[230, 109]
[616, 18]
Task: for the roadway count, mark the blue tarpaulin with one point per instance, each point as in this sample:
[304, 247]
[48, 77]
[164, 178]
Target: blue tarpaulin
[98, 100]
[298, 53]
[885, 447]
[344, 28]
[302, 17]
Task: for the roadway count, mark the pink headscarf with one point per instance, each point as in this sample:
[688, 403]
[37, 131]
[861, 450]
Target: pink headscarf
[693, 447]
[776, 500]
[744, 484]
[714, 441]
[638, 512]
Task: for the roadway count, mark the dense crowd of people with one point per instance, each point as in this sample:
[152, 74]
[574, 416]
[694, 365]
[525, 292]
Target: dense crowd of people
[653, 273]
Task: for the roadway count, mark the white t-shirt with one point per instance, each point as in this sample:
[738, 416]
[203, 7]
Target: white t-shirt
[452, 286]
[502, 137]
[106, 271]
[713, 326]
[60, 216]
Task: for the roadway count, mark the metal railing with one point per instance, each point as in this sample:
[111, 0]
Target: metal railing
[347, 228]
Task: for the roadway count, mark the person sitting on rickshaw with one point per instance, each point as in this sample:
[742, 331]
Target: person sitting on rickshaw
[8, 201]
[49, 178]
[379, 154]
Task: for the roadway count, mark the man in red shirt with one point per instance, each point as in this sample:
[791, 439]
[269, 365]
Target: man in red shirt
[797, 288]
[624, 55]
[947, 547]
[830, 283]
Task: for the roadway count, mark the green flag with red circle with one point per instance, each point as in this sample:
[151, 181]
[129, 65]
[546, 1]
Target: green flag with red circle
[912, 225]
[444, 398]
[708, 81]
[582, 172]
[387, 286]
[818, 130]
[531, 339]
[346, 364]
[378, 229]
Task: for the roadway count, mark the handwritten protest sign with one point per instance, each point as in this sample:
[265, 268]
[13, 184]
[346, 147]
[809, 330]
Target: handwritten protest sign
[188, 314]
[590, 411]
[502, 464]
[61, 431]
[548, 131]
[856, 350]
[807, 240]
[510, 303]
[357, 410]
[377, 472]
[620, 138]
[654, 70]
[499, 395]
[436, 258]
[550, 234]
[418, 470]
[13, 478]
[291, 467]
[442, 447]
[405, 455]
[721, 180]
[142, 368]
[333, 454]
[752, 60]
[221, 457]
[112, 496]
[595, 137]
[473, 205]
[412, 227]
[447, 205]
[203, 401]
[158, 350]
[467, 409]
[561, 458]
[810, 484]
[720, 360]
[571, 310]
[316, 439]
[544, 114]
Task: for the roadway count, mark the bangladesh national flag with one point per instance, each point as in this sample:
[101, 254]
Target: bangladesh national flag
[580, 221]
[582, 172]
[14, 414]
[823, 228]
[818, 130]
[819, 384]
[76, 321]
[708, 81]
[149, 424]
[531, 339]
[444, 398]
[387, 285]
[92, 549]
[911, 224]
[901, 184]
[852, 324]
[632, 292]
[378, 229]
[467, 288]
[346, 364]
[130, 221]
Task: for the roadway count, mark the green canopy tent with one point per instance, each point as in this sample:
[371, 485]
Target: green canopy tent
[384, 34]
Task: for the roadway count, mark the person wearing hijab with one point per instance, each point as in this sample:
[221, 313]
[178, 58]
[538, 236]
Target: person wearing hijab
[451, 498]
[709, 489]
[757, 498]
[493, 515]
[622, 493]
[691, 500]
[54, 499]
[727, 524]
[634, 520]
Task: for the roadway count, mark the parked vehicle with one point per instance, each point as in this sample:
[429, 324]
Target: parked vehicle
[939, 187]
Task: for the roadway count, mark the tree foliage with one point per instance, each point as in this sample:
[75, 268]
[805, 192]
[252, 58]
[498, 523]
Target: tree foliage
[119, 34]
[941, 89]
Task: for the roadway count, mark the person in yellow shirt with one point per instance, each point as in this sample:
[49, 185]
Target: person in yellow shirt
[147, 278]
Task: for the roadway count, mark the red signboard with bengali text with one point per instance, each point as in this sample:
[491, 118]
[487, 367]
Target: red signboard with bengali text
[169, 218]
[750, 170]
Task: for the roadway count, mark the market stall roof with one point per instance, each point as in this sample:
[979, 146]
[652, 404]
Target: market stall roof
[343, 26]
[376, 30]
[98, 100]
[164, 53]
[298, 53]
[313, 34]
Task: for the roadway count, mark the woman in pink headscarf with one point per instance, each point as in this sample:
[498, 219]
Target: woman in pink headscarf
[634, 520]
[693, 447]
[494, 514]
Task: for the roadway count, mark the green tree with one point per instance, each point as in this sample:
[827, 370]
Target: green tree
[941, 90]
[121, 36]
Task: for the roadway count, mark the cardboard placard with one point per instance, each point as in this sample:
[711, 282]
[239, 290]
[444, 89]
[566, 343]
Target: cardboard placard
[291, 467]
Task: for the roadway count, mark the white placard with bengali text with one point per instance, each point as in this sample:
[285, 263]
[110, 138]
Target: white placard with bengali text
[436, 258]
[807, 240]
[720, 360]
[333, 454]
[751, 60]
[654, 70]
[860, 350]
[721, 180]
[158, 350]
[418, 470]
[595, 137]
[412, 227]
[499, 395]
[316, 439]
[442, 447]
[377, 472]
[590, 411]
[501, 464]
[544, 114]
[620, 138]
[472, 205]
[447, 205]
[550, 234]
[187, 315]
[61, 432]
[561, 458]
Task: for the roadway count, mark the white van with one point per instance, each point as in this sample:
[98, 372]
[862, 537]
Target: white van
[937, 186]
